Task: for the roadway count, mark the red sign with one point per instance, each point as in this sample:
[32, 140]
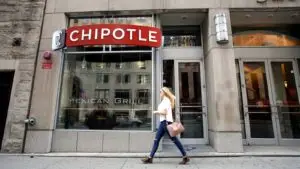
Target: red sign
[47, 65]
[113, 34]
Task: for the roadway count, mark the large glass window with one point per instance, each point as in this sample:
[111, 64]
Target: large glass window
[143, 79]
[143, 21]
[281, 36]
[143, 96]
[97, 95]
[123, 78]
[181, 36]
[102, 78]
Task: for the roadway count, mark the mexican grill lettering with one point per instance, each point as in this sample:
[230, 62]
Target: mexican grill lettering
[113, 34]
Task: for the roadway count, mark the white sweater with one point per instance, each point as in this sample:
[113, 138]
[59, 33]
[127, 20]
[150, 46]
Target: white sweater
[165, 104]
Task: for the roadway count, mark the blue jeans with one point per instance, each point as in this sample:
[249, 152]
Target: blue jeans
[160, 133]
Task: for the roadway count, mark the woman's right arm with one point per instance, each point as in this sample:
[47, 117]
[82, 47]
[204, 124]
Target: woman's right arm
[164, 111]
[162, 108]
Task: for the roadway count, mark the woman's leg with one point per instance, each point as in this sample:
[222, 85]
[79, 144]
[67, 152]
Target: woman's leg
[176, 142]
[178, 145]
[159, 134]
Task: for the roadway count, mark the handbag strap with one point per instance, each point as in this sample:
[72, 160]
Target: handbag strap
[176, 118]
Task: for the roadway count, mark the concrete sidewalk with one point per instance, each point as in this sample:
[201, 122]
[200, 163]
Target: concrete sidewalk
[193, 151]
[25, 162]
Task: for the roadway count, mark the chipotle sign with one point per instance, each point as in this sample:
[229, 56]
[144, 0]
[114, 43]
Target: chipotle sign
[113, 34]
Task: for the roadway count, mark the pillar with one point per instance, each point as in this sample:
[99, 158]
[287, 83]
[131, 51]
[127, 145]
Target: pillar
[222, 93]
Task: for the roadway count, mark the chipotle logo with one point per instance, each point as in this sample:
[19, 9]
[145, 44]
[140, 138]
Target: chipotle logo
[113, 34]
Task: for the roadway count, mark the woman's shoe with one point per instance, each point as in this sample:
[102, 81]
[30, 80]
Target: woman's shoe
[184, 160]
[147, 160]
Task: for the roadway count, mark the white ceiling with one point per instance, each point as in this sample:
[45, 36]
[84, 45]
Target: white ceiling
[264, 17]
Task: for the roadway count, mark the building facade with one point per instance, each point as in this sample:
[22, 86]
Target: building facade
[239, 90]
[20, 31]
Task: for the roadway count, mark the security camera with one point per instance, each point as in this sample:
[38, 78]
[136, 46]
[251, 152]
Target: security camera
[31, 121]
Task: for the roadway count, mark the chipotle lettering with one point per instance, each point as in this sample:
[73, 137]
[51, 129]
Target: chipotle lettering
[113, 34]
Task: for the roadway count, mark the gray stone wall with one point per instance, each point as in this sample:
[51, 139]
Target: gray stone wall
[19, 19]
[223, 113]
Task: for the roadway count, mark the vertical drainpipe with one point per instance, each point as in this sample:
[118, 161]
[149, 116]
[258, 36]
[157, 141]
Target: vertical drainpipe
[33, 76]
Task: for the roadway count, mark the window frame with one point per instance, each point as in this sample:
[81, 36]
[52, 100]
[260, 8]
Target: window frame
[64, 53]
[267, 32]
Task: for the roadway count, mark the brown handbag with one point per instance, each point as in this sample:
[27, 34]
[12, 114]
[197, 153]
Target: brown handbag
[175, 128]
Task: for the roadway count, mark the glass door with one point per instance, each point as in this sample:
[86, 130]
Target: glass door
[258, 106]
[190, 101]
[286, 96]
[270, 99]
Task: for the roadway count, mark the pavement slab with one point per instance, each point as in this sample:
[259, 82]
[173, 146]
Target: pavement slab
[26, 162]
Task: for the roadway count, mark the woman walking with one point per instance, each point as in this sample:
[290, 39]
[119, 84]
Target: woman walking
[165, 115]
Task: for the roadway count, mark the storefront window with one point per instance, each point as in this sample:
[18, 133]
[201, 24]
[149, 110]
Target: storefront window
[102, 94]
[181, 36]
[143, 96]
[143, 21]
[143, 79]
[96, 94]
[102, 78]
[264, 38]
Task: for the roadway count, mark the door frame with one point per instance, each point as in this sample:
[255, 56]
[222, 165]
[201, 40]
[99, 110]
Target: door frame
[203, 140]
[285, 141]
[249, 140]
[277, 140]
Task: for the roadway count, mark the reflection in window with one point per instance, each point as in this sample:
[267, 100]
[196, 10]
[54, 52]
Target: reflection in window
[285, 84]
[102, 78]
[256, 86]
[143, 96]
[122, 94]
[102, 94]
[100, 66]
[91, 100]
[258, 100]
[119, 65]
[264, 38]
[190, 99]
[286, 94]
[143, 79]
[126, 78]
[123, 78]
[141, 64]
[143, 21]
[181, 36]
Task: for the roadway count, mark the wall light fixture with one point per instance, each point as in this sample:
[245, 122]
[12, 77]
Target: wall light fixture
[221, 28]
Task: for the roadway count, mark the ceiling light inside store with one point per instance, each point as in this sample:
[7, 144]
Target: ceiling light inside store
[83, 64]
[296, 14]
[285, 84]
[101, 65]
[141, 64]
[248, 16]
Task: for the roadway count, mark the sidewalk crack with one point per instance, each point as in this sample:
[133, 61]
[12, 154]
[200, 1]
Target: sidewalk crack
[57, 162]
[124, 163]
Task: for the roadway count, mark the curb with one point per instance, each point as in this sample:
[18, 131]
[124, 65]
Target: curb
[141, 155]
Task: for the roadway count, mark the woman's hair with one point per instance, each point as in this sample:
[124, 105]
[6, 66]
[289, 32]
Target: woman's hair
[169, 95]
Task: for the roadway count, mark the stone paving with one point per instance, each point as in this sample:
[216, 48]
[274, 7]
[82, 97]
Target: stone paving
[26, 162]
